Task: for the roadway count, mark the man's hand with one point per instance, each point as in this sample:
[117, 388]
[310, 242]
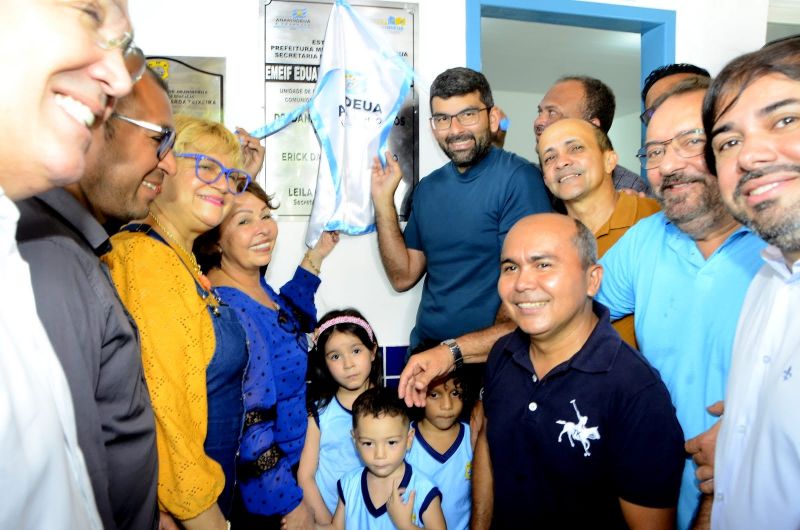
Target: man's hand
[703, 447]
[421, 369]
[385, 179]
[300, 518]
[400, 512]
[252, 152]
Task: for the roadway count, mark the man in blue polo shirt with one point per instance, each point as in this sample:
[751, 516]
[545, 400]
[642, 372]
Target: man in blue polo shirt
[683, 272]
[460, 215]
[579, 431]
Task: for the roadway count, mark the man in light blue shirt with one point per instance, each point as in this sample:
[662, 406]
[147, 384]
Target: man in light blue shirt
[683, 272]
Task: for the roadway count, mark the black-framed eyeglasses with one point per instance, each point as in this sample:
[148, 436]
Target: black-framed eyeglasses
[647, 115]
[166, 135]
[210, 170]
[687, 144]
[466, 117]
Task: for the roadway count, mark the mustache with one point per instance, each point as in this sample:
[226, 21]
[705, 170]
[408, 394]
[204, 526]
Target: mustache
[760, 172]
[674, 179]
[460, 137]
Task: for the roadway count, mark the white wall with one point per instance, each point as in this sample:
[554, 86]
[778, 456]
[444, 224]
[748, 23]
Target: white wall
[709, 33]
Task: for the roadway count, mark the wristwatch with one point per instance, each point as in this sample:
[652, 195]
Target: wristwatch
[458, 358]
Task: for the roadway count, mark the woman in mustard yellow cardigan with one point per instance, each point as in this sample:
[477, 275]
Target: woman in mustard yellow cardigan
[193, 348]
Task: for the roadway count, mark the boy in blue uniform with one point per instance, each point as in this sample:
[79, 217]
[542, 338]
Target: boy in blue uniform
[443, 448]
[387, 493]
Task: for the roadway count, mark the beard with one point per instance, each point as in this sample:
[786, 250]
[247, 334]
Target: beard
[775, 224]
[470, 157]
[697, 212]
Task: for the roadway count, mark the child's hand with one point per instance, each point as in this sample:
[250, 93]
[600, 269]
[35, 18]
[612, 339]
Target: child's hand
[401, 512]
[385, 179]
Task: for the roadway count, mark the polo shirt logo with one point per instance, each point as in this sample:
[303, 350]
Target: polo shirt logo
[578, 432]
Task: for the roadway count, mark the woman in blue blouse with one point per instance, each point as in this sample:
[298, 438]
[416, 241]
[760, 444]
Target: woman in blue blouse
[276, 323]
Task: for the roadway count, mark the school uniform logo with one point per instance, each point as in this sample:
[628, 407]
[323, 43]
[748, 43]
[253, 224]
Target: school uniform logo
[578, 432]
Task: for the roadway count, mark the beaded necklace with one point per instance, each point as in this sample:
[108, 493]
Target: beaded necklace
[205, 283]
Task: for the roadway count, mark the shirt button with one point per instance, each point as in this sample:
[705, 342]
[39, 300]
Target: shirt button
[719, 497]
[741, 427]
[532, 406]
[534, 378]
[766, 359]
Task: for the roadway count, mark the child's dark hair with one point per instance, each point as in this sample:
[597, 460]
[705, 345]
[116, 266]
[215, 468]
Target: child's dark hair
[321, 384]
[466, 384]
[379, 401]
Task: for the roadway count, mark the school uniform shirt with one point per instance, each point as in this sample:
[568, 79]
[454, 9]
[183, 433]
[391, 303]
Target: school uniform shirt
[337, 452]
[361, 513]
[451, 471]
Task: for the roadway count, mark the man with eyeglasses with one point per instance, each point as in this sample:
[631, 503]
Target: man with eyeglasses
[61, 235]
[752, 114]
[460, 215]
[65, 85]
[661, 80]
[585, 98]
[683, 272]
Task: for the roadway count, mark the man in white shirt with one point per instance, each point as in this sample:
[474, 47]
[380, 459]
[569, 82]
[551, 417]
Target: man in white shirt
[63, 84]
[752, 120]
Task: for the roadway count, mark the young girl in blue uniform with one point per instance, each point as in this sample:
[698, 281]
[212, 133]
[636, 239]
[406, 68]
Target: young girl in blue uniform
[387, 493]
[343, 364]
[442, 448]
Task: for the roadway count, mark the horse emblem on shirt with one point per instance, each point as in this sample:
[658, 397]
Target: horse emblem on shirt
[578, 432]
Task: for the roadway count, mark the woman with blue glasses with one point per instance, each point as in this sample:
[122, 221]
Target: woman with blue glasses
[193, 348]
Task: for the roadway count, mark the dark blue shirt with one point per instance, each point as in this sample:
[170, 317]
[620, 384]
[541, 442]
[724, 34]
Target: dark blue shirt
[596, 428]
[459, 221]
[274, 390]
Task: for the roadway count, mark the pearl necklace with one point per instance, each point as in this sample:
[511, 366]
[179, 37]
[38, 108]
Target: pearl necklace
[202, 278]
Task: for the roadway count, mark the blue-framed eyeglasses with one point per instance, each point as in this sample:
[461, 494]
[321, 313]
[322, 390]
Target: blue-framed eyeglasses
[210, 170]
[165, 138]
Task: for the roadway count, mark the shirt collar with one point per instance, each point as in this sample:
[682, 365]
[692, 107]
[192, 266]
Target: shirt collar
[775, 259]
[597, 354]
[78, 217]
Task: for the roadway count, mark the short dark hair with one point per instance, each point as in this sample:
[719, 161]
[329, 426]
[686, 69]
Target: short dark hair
[603, 141]
[377, 402]
[781, 57]
[670, 69]
[692, 84]
[586, 244]
[460, 81]
[206, 247]
[599, 101]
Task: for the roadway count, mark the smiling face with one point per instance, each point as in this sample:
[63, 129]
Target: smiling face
[544, 286]
[563, 100]
[688, 193]
[382, 442]
[63, 85]
[756, 144]
[443, 404]
[349, 361]
[123, 172]
[573, 164]
[190, 204]
[247, 236]
[465, 145]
